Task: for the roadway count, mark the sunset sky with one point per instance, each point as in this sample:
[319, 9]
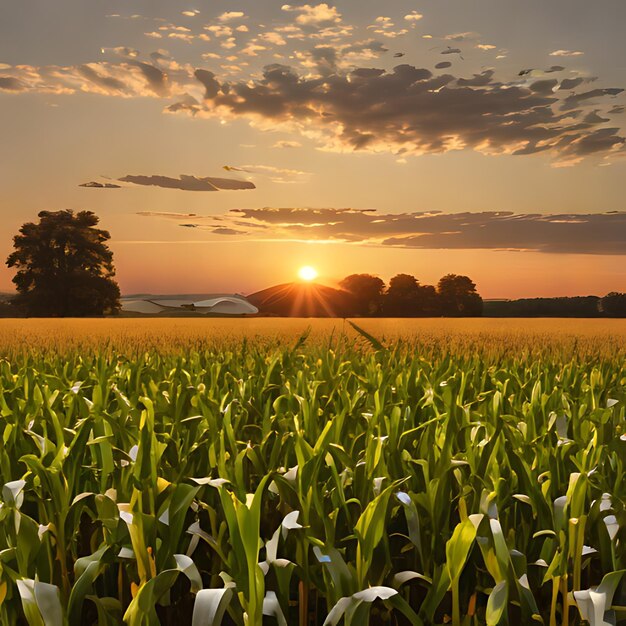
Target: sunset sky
[226, 144]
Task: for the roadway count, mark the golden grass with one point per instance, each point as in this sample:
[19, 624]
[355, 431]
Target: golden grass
[498, 337]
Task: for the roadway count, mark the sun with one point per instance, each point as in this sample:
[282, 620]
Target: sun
[307, 273]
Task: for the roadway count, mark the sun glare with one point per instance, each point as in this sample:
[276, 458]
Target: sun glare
[307, 273]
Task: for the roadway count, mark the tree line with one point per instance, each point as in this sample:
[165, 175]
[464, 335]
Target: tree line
[611, 305]
[453, 296]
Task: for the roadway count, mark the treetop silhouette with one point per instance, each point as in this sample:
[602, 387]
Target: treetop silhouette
[64, 266]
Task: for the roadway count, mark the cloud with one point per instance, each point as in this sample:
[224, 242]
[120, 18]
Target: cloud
[121, 51]
[10, 83]
[318, 15]
[287, 144]
[571, 83]
[462, 36]
[568, 233]
[577, 99]
[544, 87]
[275, 174]
[228, 231]
[405, 111]
[331, 59]
[410, 110]
[96, 185]
[208, 80]
[229, 16]
[189, 183]
[386, 27]
[129, 78]
[566, 53]
[413, 16]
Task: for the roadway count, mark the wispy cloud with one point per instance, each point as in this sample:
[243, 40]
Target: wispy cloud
[230, 16]
[566, 53]
[274, 174]
[284, 143]
[571, 233]
[98, 185]
[189, 183]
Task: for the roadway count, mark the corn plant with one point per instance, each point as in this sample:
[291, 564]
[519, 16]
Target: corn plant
[347, 479]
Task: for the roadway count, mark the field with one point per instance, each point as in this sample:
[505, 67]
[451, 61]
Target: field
[303, 472]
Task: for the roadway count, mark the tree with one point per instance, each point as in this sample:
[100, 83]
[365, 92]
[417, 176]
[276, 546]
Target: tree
[458, 297]
[367, 292]
[614, 304]
[407, 298]
[402, 297]
[64, 267]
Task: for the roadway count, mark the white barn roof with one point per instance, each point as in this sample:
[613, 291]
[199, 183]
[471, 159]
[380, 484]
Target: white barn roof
[218, 304]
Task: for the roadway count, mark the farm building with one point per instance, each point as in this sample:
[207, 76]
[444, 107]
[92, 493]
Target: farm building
[216, 304]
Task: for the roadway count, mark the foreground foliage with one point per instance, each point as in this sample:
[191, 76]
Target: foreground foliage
[312, 483]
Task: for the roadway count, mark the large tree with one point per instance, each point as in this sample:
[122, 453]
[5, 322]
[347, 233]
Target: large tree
[64, 266]
[367, 293]
[405, 297]
[458, 297]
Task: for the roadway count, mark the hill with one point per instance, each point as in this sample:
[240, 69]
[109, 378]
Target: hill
[302, 300]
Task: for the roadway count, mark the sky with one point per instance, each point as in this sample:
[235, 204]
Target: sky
[226, 144]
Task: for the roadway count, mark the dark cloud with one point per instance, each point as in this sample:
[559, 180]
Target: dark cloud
[571, 83]
[575, 100]
[593, 118]
[544, 87]
[478, 80]
[211, 85]
[407, 110]
[10, 83]
[228, 231]
[601, 233]
[96, 185]
[156, 79]
[411, 111]
[188, 104]
[189, 183]
[109, 83]
[556, 233]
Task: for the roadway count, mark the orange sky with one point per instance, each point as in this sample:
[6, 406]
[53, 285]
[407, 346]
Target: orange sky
[463, 138]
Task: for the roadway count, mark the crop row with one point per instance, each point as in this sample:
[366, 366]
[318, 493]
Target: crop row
[309, 485]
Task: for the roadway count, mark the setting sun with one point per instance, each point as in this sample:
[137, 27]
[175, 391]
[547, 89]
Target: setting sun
[307, 273]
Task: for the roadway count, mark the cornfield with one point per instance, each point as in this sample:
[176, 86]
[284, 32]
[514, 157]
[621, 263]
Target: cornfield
[344, 476]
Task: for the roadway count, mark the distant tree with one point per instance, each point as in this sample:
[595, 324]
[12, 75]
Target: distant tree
[64, 267]
[430, 305]
[402, 297]
[458, 297]
[613, 304]
[405, 297]
[367, 292]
